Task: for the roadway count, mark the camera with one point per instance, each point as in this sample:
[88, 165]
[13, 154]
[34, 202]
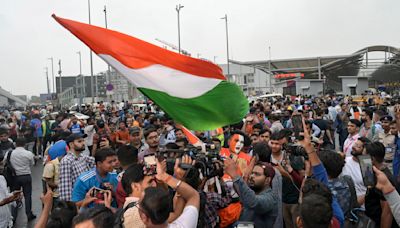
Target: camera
[206, 157]
[296, 150]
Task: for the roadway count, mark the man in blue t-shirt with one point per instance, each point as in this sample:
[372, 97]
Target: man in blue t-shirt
[74, 126]
[36, 126]
[87, 189]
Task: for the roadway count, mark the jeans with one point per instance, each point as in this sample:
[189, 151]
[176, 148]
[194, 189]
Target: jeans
[24, 181]
[37, 148]
[342, 137]
[46, 139]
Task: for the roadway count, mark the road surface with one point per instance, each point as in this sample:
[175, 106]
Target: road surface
[22, 221]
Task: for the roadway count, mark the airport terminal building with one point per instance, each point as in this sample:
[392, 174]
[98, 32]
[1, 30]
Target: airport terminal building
[352, 74]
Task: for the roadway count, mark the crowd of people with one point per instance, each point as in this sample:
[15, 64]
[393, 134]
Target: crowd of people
[293, 162]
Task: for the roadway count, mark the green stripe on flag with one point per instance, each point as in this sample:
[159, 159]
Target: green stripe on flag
[225, 104]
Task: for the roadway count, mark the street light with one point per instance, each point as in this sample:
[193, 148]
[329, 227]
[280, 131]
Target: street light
[47, 80]
[52, 74]
[178, 9]
[105, 15]
[227, 41]
[91, 65]
[59, 74]
[215, 57]
[269, 69]
[80, 74]
[108, 65]
[80, 62]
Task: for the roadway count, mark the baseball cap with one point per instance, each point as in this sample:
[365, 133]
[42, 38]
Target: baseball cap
[74, 137]
[100, 122]
[386, 118]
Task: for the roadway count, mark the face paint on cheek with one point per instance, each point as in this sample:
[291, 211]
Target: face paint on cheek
[232, 143]
[236, 144]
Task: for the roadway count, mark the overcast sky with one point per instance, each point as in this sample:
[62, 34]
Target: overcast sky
[293, 28]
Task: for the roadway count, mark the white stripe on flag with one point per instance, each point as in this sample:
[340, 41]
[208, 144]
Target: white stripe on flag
[164, 79]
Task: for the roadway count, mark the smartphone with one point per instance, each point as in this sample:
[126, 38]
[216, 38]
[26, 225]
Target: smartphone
[366, 170]
[17, 192]
[245, 225]
[297, 122]
[98, 193]
[150, 160]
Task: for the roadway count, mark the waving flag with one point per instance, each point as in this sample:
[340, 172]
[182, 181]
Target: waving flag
[192, 91]
[192, 138]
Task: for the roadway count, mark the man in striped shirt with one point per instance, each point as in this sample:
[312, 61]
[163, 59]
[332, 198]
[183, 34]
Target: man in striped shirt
[73, 165]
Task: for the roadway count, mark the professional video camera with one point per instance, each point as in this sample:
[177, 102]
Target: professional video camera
[296, 150]
[207, 159]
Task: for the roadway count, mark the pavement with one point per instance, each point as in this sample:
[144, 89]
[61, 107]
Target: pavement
[22, 221]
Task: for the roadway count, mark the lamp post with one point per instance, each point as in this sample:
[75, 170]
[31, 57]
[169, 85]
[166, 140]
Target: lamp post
[269, 69]
[178, 10]
[108, 65]
[215, 58]
[52, 74]
[82, 92]
[59, 74]
[227, 41]
[80, 62]
[92, 80]
[47, 80]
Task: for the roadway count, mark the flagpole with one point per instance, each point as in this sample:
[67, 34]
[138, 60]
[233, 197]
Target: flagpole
[178, 9]
[92, 81]
[227, 42]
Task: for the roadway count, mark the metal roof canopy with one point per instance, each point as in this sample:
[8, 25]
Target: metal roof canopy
[314, 64]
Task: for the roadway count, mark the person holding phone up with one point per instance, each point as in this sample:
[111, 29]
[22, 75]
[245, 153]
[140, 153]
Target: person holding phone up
[389, 192]
[90, 186]
[376, 206]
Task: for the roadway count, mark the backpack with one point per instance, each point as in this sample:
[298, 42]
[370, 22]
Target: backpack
[9, 171]
[119, 215]
[356, 217]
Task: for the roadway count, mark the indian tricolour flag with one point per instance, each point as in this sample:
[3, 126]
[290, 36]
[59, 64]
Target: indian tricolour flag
[193, 92]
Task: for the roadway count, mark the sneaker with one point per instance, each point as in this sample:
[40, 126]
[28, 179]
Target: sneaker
[31, 217]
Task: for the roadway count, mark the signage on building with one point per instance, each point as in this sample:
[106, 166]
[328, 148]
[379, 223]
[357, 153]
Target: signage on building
[109, 87]
[289, 75]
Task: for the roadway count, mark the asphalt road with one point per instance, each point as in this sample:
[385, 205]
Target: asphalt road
[22, 221]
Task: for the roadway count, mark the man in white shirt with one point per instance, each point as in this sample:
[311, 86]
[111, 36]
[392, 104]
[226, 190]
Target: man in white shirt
[353, 127]
[6, 198]
[352, 169]
[90, 131]
[22, 160]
